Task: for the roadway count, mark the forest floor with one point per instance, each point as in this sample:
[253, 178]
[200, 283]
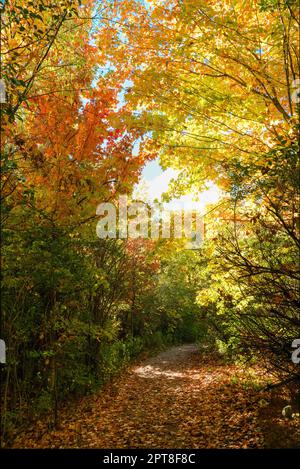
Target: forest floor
[179, 399]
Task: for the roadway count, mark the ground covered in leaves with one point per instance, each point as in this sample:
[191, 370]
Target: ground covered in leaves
[179, 399]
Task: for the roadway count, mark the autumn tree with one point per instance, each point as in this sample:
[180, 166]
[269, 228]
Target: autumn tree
[215, 86]
[64, 150]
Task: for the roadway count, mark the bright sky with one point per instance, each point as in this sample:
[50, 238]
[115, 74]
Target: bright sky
[154, 182]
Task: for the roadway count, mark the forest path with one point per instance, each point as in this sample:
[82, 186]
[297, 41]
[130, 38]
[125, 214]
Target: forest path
[177, 399]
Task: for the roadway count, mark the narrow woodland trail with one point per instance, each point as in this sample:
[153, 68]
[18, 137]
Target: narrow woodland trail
[174, 400]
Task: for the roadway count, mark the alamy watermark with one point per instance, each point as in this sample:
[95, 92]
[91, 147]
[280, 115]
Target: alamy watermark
[2, 92]
[2, 351]
[137, 219]
[295, 96]
[296, 352]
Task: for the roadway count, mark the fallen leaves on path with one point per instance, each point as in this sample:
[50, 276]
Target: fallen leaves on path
[179, 399]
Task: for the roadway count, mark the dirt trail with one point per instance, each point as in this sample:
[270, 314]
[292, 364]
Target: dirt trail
[178, 399]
